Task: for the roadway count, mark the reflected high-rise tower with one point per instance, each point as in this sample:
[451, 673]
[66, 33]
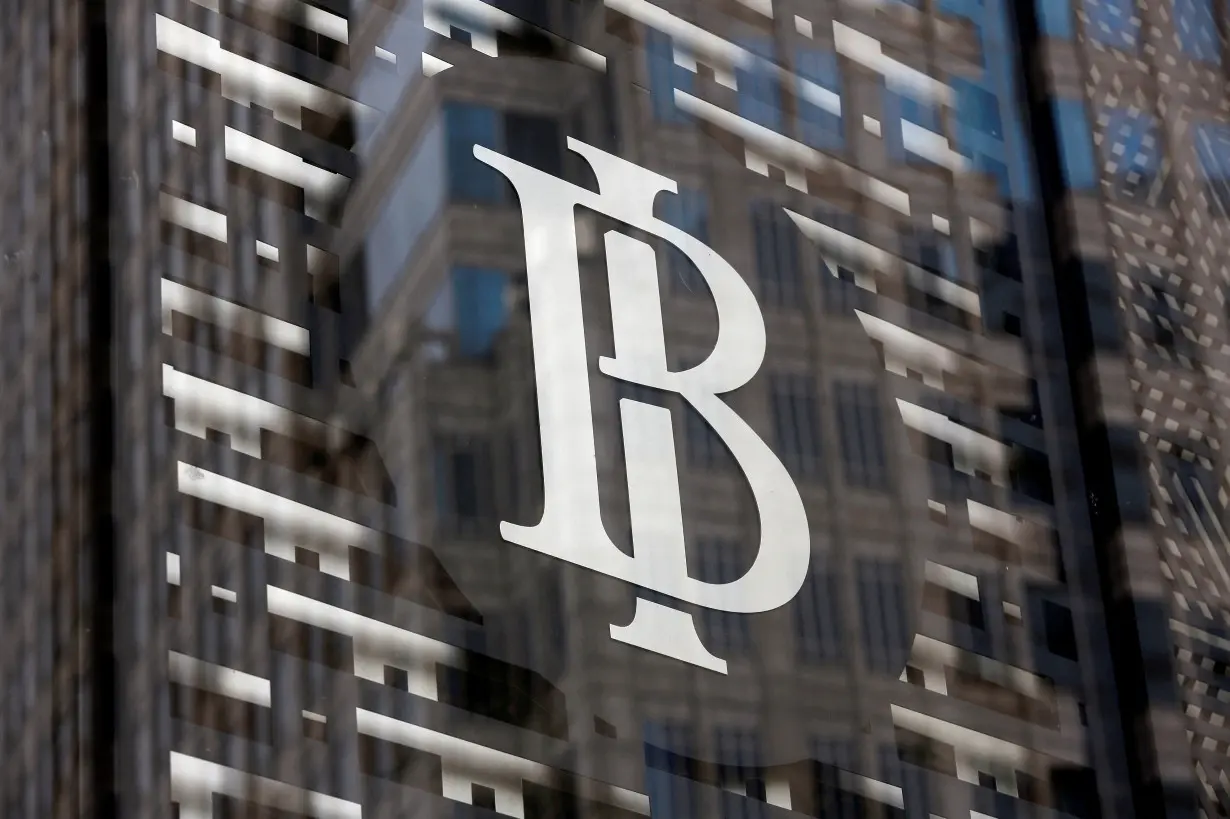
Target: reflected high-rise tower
[914, 386]
[272, 392]
[1130, 104]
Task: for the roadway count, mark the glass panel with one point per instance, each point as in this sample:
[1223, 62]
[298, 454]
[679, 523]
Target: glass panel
[1075, 144]
[318, 467]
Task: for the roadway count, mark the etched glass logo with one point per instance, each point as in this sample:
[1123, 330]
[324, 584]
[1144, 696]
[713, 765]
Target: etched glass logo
[571, 527]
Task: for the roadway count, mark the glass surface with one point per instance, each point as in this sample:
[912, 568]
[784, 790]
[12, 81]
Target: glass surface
[615, 408]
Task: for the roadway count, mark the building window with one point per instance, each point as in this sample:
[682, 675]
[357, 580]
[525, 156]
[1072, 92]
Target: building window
[1075, 144]
[718, 562]
[929, 250]
[1166, 327]
[1113, 22]
[776, 241]
[467, 126]
[1130, 151]
[760, 93]
[841, 294]
[665, 75]
[832, 799]
[910, 778]
[1058, 630]
[861, 429]
[1055, 18]
[640, 393]
[481, 311]
[830, 751]
[980, 130]
[1196, 28]
[669, 769]
[461, 482]
[796, 425]
[706, 450]
[882, 600]
[1212, 143]
[687, 210]
[906, 118]
[818, 631]
[739, 752]
[819, 98]
[535, 141]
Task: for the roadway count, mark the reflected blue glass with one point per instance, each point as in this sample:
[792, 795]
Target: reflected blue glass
[665, 76]
[670, 796]
[980, 130]
[1114, 22]
[467, 126]
[819, 127]
[479, 299]
[760, 95]
[1055, 18]
[1196, 27]
[1131, 143]
[961, 8]
[900, 107]
[409, 209]
[687, 210]
[1075, 144]
[1212, 143]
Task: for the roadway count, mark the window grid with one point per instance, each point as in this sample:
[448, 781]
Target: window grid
[1196, 30]
[688, 211]
[777, 255]
[1113, 22]
[739, 750]
[796, 424]
[726, 632]
[665, 76]
[882, 601]
[819, 126]
[759, 94]
[706, 450]
[818, 631]
[1075, 144]
[533, 140]
[668, 747]
[860, 425]
[1131, 153]
[841, 294]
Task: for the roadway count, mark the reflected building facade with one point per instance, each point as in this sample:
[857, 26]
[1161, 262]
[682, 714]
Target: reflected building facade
[913, 387]
[320, 359]
[1130, 100]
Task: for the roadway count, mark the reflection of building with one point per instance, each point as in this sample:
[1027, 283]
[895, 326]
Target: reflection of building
[55, 536]
[1133, 95]
[298, 406]
[1009, 677]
